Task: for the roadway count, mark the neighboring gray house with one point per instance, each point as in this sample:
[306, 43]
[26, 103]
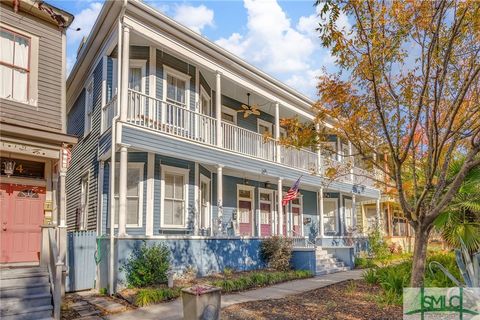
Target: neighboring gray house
[34, 154]
[167, 153]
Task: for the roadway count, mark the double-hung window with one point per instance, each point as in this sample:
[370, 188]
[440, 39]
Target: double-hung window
[134, 208]
[88, 107]
[174, 192]
[177, 85]
[14, 65]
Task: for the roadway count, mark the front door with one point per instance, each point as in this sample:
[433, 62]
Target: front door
[265, 213]
[296, 221]
[245, 210]
[21, 218]
[204, 203]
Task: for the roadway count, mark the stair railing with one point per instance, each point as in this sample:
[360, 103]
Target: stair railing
[302, 241]
[55, 267]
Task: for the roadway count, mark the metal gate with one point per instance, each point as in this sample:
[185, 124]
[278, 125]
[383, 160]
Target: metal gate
[82, 248]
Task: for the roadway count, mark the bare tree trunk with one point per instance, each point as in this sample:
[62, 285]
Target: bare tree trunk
[419, 255]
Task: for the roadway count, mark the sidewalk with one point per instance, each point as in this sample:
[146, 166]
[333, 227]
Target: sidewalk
[173, 310]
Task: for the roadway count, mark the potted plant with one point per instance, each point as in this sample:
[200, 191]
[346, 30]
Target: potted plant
[201, 302]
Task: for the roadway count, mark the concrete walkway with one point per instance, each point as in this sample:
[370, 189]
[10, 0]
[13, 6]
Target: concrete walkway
[173, 310]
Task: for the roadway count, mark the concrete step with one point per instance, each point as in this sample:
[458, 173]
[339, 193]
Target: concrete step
[43, 312]
[320, 272]
[22, 291]
[16, 305]
[9, 272]
[24, 280]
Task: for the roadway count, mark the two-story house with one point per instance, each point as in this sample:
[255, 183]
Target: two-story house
[33, 154]
[167, 153]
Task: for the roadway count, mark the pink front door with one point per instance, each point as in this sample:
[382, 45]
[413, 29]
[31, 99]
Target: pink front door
[245, 216]
[265, 219]
[296, 220]
[21, 218]
[285, 221]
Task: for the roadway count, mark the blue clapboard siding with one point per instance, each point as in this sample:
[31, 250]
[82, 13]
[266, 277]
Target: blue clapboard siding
[206, 256]
[81, 260]
[84, 154]
[164, 144]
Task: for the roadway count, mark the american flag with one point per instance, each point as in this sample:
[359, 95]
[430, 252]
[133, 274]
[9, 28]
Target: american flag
[292, 193]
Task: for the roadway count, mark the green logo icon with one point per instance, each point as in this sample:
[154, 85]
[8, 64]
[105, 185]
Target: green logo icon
[441, 303]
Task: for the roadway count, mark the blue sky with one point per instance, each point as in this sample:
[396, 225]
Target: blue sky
[276, 36]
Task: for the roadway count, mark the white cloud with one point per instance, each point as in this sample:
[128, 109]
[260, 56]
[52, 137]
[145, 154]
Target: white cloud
[270, 41]
[83, 20]
[196, 18]
[305, 82]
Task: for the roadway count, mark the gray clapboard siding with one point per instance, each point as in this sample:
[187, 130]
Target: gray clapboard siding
[47, 115]
[84, 154]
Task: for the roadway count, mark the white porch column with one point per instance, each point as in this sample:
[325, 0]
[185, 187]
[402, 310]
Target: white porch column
[218, 108]
[354, 211]
[220, 198]
[277, 132]
[321, 227]
[339, 149]
[62, 227]
[379, 219]
[124, 76]
[280, 207]
[319, 152]
[350, 158]
[122, 191]
[150, 194]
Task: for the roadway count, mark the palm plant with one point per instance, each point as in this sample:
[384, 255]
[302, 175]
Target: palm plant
[460, 222]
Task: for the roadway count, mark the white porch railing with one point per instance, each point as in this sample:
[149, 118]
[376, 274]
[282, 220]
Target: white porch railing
[247, 142]
[362, 176]
[176, 119]
[302, 159]
[55, 267]
[109, 111]
[167, 117]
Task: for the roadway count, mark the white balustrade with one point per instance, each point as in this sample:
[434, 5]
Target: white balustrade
[299, 158]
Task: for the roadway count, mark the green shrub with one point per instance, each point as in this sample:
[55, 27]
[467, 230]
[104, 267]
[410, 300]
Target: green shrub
[378, 246]
[363, 263]
[147, 265]
[370, 276]
[277, 252]
[434, 277]
[148, 296]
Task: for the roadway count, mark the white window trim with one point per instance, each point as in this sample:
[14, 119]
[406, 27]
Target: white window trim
[252, 200]
[272, 210]
[137, 63]
[33, 66]
[334, 200]
[180, 75]
[84, 209]
[265, 124]
[231, 112]
[204, 179]
[203, 93]
[175, 170]
[88, 121]
[300, 206]
[140, 167]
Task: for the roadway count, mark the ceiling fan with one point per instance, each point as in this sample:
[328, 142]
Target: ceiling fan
[248, 109]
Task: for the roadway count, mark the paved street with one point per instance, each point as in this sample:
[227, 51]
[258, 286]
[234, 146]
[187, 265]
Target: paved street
[173, 310]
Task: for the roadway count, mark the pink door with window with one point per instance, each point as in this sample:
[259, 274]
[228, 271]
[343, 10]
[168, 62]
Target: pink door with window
[245, 215]
[265, 219]
[285, 220]
[21, 217]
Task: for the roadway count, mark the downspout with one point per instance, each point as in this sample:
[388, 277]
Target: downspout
[113, 148]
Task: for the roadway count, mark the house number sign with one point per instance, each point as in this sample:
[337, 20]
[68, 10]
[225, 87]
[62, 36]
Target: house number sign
[26, 149]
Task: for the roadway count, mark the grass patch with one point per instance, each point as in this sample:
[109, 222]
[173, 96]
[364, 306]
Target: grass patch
[149, 296]
[259, 279]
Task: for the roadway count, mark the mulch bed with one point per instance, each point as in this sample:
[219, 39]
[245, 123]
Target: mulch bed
[348, 300]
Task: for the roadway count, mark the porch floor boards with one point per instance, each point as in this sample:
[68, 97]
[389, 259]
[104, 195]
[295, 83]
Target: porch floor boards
[173, 310]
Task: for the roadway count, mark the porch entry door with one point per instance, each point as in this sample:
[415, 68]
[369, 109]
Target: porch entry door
[265, 214]
[245, 215]
[204, 203]
[21, 218]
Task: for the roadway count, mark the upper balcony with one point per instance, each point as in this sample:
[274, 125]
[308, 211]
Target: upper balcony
[174, 91]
